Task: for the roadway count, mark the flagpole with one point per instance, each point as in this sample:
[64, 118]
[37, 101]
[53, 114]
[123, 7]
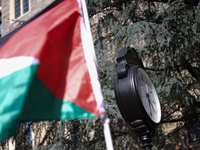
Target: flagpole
[105, 120]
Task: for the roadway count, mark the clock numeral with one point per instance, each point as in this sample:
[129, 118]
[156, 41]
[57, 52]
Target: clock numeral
[154, 102]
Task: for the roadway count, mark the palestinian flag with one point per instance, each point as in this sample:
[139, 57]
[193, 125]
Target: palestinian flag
[48, 69]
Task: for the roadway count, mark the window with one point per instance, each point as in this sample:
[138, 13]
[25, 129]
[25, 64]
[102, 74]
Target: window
[26, 6]
[18, 8]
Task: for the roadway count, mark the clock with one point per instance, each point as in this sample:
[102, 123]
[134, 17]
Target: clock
[135, 93]
[147, 94]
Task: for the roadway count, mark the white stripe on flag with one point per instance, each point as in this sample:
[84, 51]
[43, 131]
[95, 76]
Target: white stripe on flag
[10, 65]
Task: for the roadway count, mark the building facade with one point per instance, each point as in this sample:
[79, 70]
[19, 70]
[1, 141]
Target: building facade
[15, 12]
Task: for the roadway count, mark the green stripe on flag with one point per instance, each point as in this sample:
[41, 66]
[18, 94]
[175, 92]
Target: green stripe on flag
[13, 89]
[23, 97]
[41, 104]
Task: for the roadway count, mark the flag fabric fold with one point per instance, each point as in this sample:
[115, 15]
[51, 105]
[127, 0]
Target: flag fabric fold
[47, 69]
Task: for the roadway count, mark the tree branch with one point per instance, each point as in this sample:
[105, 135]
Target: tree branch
[171, 113]
[179, 128]
[173, 121]
[154, 69]
[187, 2]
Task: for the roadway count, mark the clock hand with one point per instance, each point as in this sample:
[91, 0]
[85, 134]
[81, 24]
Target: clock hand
[153, 100]
[147, 95]
[151, 103]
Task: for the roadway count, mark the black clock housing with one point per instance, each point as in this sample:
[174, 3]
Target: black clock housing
[127, 96]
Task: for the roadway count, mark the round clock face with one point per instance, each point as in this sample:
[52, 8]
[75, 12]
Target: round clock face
[148, 95]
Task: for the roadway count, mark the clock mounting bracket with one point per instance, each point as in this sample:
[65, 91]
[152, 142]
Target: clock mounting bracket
[126, 58]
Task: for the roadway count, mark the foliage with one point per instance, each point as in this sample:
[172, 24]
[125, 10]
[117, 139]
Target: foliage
[167, 38]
